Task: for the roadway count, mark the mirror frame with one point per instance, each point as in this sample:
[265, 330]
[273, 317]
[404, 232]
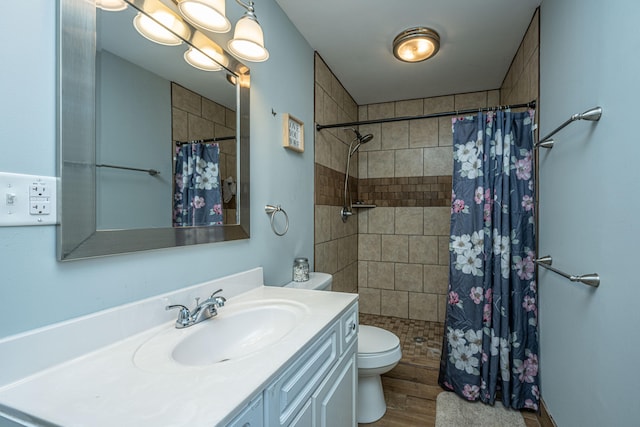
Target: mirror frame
[77, 237]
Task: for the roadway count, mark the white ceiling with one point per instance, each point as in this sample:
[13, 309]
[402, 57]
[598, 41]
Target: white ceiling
[479, 38]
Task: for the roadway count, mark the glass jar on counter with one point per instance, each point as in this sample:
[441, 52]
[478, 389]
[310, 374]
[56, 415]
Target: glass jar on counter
[300, 270]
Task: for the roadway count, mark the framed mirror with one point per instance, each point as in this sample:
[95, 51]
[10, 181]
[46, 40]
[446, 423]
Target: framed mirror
[127, 106]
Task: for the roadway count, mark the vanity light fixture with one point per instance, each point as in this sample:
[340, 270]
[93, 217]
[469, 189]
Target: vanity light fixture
[150, 28]
[206, 14]
[111, 5]
[206, 55]
[416, 44]
[248, 38]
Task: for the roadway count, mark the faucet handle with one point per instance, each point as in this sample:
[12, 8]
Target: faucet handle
[219, 300]
[184, 316]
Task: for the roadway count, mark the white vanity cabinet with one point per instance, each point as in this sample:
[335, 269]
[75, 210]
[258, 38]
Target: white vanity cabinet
[318, 388]
[305, 378]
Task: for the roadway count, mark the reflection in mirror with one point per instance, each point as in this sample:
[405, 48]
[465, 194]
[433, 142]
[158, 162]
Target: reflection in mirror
[132, 88]
[205, 166]
[145, 106]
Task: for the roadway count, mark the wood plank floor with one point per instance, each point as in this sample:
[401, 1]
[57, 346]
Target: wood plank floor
[411, 388]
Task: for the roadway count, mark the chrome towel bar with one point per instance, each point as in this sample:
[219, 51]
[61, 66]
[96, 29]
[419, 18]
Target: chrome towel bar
[151, 172]
[592, 279]
[592, 115]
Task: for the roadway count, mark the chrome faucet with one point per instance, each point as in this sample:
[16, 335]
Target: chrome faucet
[204, 310]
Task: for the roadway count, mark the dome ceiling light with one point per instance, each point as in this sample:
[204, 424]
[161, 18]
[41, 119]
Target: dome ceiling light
[416, 44]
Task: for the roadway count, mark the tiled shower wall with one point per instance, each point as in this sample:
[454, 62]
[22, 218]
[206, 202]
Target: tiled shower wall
[521, 83]
[403, 244]
[336, 242]
[396, 255]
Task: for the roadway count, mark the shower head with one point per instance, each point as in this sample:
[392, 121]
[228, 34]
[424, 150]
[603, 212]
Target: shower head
[362, 139]
[346, 212]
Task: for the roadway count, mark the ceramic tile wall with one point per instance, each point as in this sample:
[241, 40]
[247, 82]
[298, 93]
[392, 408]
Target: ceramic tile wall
[403, 243]
[336, 242]
[522, 80]
[196, 117]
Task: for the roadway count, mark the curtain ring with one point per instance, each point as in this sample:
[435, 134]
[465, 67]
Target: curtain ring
[271, 211]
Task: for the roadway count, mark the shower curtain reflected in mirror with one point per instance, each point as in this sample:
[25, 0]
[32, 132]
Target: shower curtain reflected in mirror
[197, 197]
[491, 342]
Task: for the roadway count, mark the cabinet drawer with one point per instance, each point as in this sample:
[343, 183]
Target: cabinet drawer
[349, 327]
[285, 397]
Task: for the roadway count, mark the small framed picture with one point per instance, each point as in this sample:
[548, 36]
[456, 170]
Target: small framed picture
[293, 133]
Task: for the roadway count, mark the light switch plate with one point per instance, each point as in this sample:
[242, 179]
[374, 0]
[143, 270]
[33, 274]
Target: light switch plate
[27, 199]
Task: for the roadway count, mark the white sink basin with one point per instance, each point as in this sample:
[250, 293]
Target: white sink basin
[238, 331]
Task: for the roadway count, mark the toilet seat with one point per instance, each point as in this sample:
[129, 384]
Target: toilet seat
[377, 347]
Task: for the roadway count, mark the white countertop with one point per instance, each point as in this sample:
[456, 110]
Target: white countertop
[106, 387]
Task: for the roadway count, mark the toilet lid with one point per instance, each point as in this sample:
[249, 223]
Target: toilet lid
[372, 339]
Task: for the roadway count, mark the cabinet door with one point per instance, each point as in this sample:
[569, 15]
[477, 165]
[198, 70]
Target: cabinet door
[304, 417]
[334, 403]
[252, 416]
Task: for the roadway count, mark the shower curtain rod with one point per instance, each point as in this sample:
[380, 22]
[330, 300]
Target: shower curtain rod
[531, 104]
[204, 141]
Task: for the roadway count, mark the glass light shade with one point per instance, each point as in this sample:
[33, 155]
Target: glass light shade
[111, 5]
[206, 14]
[416, 44]
[150, 29]
[201, 58]
[248, 41]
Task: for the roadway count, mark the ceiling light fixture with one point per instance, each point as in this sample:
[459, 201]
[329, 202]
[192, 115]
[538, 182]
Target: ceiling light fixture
[248, 38]
[416, 44]
[206, 14]
[162, 27]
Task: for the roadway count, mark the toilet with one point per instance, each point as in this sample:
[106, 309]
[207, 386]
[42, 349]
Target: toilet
[378, 352]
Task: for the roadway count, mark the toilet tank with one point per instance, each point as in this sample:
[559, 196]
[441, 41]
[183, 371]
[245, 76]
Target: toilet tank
[317, 281]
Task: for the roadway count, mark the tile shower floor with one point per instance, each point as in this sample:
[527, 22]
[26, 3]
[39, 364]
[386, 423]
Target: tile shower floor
[411, 388]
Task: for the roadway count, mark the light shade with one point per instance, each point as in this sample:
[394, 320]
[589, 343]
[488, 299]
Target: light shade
[416, 44]
[204, 54]
[248, 40]
[157, 33]
[206, 14]
[111, 5]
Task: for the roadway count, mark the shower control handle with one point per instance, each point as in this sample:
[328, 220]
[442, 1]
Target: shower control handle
[345, 213]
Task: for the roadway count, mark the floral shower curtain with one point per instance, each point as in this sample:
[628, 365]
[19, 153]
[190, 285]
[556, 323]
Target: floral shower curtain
[197, 196]
[491, 341]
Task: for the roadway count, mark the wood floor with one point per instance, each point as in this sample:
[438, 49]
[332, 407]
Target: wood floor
[411, 388]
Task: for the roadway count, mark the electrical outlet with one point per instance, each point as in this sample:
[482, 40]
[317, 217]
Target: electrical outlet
[27, 200]
[40, 208]
[39, 189]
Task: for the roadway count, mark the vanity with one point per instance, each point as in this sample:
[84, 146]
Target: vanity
[271, 357]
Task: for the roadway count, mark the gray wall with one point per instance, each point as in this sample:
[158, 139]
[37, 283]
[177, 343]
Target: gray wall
[36, 290]
[589, 212]
[135, 133]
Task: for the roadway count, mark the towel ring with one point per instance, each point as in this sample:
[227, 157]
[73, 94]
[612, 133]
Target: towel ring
[271, 211]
